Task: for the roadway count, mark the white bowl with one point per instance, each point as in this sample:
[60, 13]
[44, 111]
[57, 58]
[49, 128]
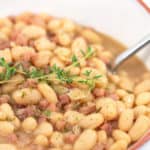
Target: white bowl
[125, 20]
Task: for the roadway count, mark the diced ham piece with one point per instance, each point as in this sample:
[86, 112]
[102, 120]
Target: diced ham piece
[97, 92]
[19, 38]
[4, 98]
[68, 106]
[109, 126]
[105, 60]
[64, 99]
[30, 18]
[31, 43]
[30, 110]
[54, 39]
[37, 20]
[100, 146]
[12, 19]
[87, 109]
[22, 113]
[43, 104]
[28, 56]
[70, 138]
[4, 44]
[114, 96]
[42, 119]
[12, 138]
[30, 83]
[52, 107]
[25, 64]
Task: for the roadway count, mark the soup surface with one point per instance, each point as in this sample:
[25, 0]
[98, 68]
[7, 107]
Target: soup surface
[56, 92]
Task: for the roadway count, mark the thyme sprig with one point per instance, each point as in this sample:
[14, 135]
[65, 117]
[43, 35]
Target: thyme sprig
[9, 70]
[75, 61]
[55, 73]
[62, 75]
[86, 55]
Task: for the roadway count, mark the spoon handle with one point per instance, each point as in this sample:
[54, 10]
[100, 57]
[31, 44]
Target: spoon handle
[131, 51]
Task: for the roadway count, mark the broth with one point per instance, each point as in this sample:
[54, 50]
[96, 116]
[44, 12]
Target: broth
[130, 65]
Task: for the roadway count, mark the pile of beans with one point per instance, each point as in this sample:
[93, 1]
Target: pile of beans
[38, 115]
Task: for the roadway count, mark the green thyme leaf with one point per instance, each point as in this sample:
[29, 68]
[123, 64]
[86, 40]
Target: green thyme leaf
[87, 72]
[34, 73]
[83, 53]
[47, 113]
[75, 61]
[9, 71]
[23, 94]
[54, 73]
[89, 53]
[97, 76]
[2, 76]
[88, 82]
[3, 62]
[61, 74]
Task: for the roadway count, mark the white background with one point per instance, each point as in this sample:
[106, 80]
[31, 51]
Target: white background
[125, 20]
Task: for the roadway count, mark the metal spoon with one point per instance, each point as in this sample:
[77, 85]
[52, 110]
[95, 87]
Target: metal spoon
[129, 52]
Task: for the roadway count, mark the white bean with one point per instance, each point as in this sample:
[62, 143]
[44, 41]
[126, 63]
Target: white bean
[78, 44]
[119, 145]
[19, 51]
[77, 94]
[57, 139]
[56, 116]
[47, 92]
[29, 124]
[140, 127]
[43, 44]
[109, 109]
[86, 140]
[44, 128]
[129, 100]
[26, 96]
[92, 121]
[32, 31]
[7, 147]
[16, 122]
[141, 110]
[38, 60]
[102, 137]
[7, 110]
[73, 117]
[63, 53]
[41, 140]
[9, 87]
[98, 64]
[6, 128]
[6, 54]
[121, 135]
[143, 98]
[120, 106]
[126, 120]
